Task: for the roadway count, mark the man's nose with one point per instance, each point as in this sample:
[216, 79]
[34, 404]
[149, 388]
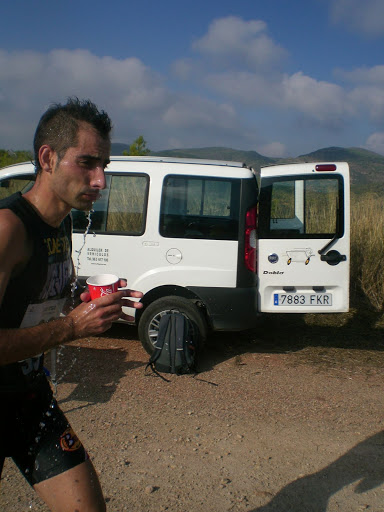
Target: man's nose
[98, 178]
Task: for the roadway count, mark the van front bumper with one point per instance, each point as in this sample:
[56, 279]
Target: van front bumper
[229, 309]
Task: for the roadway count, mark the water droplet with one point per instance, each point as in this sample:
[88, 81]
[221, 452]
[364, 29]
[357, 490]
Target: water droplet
[79, 251]
[56, 353]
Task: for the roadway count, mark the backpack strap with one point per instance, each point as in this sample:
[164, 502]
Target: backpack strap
[172, 341]
[163, 329]
[180, 326]
[152, 366]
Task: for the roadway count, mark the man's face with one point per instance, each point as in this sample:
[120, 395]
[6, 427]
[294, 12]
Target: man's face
[78, 177]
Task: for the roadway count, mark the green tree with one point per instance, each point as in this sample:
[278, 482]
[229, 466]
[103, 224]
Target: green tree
[138, 148]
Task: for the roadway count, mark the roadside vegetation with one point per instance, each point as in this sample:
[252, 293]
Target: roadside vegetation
[13, 157]
[367, 250]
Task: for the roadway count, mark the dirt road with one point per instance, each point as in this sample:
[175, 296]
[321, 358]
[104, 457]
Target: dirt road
[288, 417]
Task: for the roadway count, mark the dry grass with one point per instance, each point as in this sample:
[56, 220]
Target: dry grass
[367, 249]
[12, 187]
[126, 200]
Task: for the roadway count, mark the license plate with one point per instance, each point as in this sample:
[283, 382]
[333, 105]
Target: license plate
[302, 299]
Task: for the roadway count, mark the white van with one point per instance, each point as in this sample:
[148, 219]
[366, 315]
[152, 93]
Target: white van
[203, 238]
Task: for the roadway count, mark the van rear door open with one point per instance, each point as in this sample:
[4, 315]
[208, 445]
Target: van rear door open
[303, 238]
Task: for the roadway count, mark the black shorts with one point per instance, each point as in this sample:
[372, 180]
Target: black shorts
[35, 433]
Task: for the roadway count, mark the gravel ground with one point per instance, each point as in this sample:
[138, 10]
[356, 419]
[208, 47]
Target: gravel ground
[287, 417]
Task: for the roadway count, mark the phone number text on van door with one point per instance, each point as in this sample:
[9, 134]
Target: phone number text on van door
[97, 255]
[302, 299]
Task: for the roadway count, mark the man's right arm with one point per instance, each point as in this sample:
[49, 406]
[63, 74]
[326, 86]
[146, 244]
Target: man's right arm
[87, 319]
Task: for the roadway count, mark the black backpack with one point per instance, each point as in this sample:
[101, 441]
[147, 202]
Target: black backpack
[176, 346]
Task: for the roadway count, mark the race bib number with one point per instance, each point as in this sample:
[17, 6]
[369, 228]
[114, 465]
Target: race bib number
[39, 313]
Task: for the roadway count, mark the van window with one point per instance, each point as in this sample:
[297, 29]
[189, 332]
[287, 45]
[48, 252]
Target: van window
[121, 208]
[16, 184]
[194, 207]
[301, 208]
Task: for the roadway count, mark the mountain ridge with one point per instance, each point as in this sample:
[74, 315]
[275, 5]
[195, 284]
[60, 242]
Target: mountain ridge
[367, 167]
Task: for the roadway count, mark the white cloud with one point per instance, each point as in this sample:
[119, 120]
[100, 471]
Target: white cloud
[137, 99]
[30, 81]
[373, 75]
[245, 87]
[369, 101]
[193, 111]
[273, 149]
[242, 96]
[365, 91]
[375, 142]
[193, 120]
[183, 69]
[246, 69]
[365, 16]
[239, 43]
[323, 101]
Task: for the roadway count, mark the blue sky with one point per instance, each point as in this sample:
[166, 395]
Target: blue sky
[280, 77]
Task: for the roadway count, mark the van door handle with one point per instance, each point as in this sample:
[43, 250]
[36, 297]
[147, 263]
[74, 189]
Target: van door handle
[333, 257]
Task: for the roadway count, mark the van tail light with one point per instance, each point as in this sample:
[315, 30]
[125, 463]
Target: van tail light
[250, 239]
[325, 167]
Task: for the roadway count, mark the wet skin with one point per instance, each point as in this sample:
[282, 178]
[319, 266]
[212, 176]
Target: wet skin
[74, 181]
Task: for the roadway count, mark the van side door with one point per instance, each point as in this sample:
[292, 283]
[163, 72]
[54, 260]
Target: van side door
[304, 238]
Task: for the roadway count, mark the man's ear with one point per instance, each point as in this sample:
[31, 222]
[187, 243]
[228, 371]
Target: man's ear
[47, 158]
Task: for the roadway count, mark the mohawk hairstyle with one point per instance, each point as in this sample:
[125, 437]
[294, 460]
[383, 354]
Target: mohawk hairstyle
[59, 125]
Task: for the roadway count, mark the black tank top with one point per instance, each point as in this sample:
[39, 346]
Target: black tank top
[38, 293]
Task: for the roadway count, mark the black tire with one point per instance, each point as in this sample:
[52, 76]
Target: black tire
[149, 319]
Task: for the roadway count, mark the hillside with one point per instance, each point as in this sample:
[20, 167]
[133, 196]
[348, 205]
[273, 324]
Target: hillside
[367, 167]
[251, 158]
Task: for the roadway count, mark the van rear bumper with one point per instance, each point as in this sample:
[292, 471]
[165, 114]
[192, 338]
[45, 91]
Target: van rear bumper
[229, 309]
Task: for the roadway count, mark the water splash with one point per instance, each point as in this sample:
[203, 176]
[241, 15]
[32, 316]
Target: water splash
[74, 283]
[68, 368]
[56, 352]
[53, 373]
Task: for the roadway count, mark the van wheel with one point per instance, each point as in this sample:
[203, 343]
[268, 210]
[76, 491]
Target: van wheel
[150, 318]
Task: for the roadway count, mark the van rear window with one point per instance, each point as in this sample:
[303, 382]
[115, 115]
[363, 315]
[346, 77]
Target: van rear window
[302, 207]
[199, 207]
